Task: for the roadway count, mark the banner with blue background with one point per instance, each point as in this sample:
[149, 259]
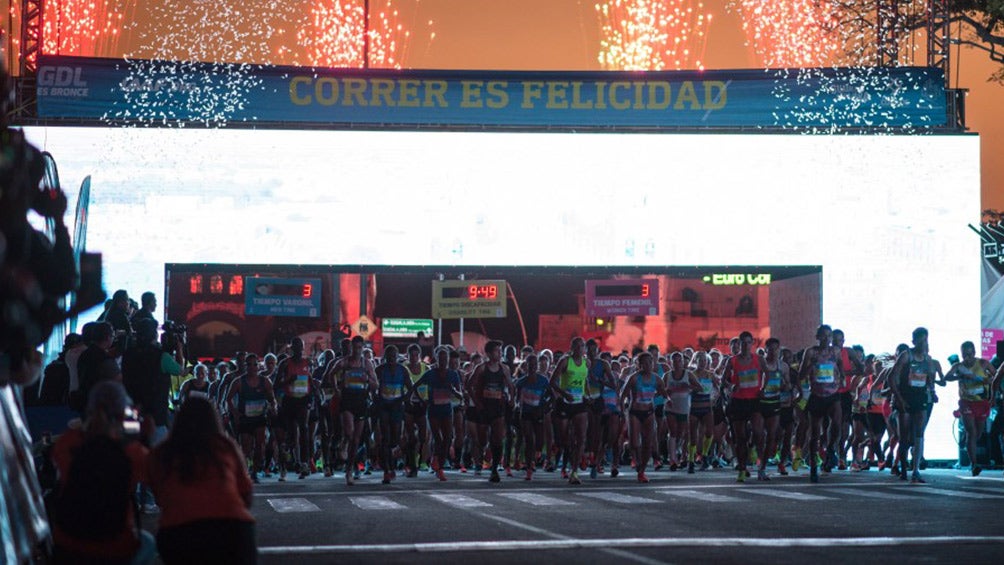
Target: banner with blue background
[168, 92]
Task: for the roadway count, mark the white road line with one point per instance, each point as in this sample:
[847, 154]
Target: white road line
[375, 503]
[946, 492]
[619, 498]
[778, 493]
[698, 495]
[626, 543]
[284, 505]
[981, 479]
[458, 500]
[535, 499]
[870, 493]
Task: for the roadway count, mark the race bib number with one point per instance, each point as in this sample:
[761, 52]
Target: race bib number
[707, 385]
[918, 380]
[824, 375]
[255, 408]
[198, 394]
[301, 386]
[441, 396]
[975, 390]
[530, 397]
[390, 392]
[493, 394]
[749, 378]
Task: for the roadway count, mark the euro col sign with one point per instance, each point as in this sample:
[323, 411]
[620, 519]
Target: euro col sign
[736, 279]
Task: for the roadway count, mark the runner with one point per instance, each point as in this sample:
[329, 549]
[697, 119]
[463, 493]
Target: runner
[569, 386]
[293, 377]
[416, 423]
[394, 386]
[532, 390]
[786, 418]
[851, 365]
[777, 382]
[680, 384]
[821, 369]
[329, 425]
[442, 384]
[974, 375]
[861, 431]
[489, 387]
[612, 420]
[459, 425]
[911, 380]
[195, 386]
[356, 381]
[744, 374]
[702, 418]
[254, 400]
[599, 379]
[640, 390]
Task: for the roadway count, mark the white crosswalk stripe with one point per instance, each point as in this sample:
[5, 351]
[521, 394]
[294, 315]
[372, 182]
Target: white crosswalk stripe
[375, 503]
[535, 499]
[698, 495]
[459, 500]
[790, 495]
[869, 493]
[946, 492]
[285, 505]
[619, 498]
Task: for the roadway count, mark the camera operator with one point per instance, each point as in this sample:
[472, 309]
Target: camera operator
[98, 468]
[118, 316]
[146, 373]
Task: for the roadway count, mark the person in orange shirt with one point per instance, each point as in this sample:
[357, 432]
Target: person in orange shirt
[200, 475]
[105, 446]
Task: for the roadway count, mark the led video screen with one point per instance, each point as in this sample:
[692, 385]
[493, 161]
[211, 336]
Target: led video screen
[884, 216]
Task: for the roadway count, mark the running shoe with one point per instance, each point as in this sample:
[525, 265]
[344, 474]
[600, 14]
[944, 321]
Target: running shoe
[529, 474]
[881, 465]
[642, 478]
[564, 474]
[781, 470]
[842, 465]
[328, 472]
[614, 471]
[386, 478]
[813, 475]
[508, 471]
[855, 468]
[658, 464]
[797, 464]
[573, 479]
[462, 468]
[977, 470]
[690, 468]
[282, 474]
[495, 478]
[761, 475]
[705, 464]
[673, 466]
[441, 475]
[592, 472]
[742, 476]
[916, 478]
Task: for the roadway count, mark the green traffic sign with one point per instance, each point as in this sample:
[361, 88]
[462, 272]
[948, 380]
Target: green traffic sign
[405, 327]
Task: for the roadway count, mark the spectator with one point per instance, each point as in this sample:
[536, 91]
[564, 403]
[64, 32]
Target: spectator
[149, 304]
[98, 467]
[96, 363]
[146, 373]
[201, 479]
[55, 386]
[118, 316]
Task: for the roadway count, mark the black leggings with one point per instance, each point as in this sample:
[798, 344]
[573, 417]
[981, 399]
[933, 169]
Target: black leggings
[208, 541]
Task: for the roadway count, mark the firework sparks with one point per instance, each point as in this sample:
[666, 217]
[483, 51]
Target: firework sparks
[652, 34]
[793, 33]
[336, 36]
[81, 27]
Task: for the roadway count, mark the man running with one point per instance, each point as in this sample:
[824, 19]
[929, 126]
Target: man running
[254, 399]
[356, 381]
[489, 388]
[293, 377]
[821, 368]
[744, 374]
[777, 381]
[599, 379]
[910, 382]
[974, 375]
[394, 386]
[443, 384]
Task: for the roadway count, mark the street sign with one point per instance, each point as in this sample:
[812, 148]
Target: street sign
[469, 299]
[622, 297]
[272, 296]
[406, 327]
[364, 327]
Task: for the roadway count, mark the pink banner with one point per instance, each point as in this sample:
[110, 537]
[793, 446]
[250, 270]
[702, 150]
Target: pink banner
[990, 338]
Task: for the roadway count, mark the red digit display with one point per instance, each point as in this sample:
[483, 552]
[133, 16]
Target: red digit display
[472, 292]
[482, 292]
[308, 289]
[493, 292]
[644, 291]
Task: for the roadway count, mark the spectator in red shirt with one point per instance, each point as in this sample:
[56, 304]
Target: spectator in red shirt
[202, 484]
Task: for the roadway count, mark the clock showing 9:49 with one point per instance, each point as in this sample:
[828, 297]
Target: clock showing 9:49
[469, 299]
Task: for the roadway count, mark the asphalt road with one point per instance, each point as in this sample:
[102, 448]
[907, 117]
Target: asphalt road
[860, 517]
